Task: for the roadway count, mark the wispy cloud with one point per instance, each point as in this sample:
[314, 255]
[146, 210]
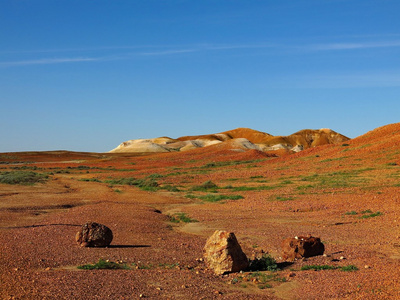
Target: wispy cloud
[352, 46]
[129, 52]
[48, 61]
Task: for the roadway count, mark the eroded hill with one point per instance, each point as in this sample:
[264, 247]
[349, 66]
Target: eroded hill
[237, 139]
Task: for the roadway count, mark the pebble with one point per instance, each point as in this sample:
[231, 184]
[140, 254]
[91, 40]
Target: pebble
[367, 267]
[342, 257]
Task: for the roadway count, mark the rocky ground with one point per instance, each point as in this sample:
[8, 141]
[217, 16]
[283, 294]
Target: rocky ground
[347, 194]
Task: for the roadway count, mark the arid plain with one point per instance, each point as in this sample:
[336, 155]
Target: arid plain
[161, 213]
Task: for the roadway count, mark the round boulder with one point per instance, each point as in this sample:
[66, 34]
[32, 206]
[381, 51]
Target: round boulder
[94, 235]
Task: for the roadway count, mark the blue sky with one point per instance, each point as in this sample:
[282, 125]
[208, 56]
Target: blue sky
[87, 75]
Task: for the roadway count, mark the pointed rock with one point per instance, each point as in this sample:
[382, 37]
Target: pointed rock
[223, 254]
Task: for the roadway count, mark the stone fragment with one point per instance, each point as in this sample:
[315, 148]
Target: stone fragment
[223, 254]
[94, 235]
[301, 247]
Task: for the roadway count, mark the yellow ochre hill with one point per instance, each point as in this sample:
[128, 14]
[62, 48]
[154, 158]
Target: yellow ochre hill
[239, 139]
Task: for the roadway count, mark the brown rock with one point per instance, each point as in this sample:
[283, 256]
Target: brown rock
[302, 246]
[223, 254]
[94, 235]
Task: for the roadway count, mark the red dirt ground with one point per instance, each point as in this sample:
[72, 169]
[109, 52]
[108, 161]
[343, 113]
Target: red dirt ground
[347, 194]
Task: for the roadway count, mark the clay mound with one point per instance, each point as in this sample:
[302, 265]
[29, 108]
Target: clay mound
[254, 136]
[240, 139]
[144, 145]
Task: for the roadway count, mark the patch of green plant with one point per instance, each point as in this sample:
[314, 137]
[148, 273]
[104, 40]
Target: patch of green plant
[230, 163]
[318, 267]
[265, 263]
[144, 184]
[264, 286]
[168, 266]
[170, 188]
[118, 191]
[336, 179]
[371, 215]
[33, 168]
[286, 182]
[22, 177]
[348, 268]
[190, 196]
[251, 188]
[216, 198]
[205, 187]
[232, 179]
[90, 179]
[255, 177]
[154, 176]
[350, 213]
[392, 164]
[281, 198]
[104, 264]
[181, 217]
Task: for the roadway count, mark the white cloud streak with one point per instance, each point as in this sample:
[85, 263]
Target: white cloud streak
[47, 61]
[176, 50]
[352, 46]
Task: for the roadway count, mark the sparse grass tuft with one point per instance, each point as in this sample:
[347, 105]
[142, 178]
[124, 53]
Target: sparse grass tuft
[348, 268]
[104, 264]
[181, 217]
[144, 184]
[22, 177]
[216, 198]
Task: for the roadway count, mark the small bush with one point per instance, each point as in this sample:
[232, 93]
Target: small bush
[22, 177]
[265, 263]
[206, 186]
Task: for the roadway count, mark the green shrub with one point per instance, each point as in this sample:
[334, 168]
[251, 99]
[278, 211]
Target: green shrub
[265, 263]
[22, 177]
[206, 186]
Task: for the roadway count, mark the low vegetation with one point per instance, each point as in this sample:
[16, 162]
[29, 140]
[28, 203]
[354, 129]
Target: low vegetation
[348, 268]
[214, 197]
[104, 264]
[264, 263]
[22, 177]
[181, 217]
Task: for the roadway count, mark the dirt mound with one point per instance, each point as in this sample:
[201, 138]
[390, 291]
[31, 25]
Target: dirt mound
[237, 139]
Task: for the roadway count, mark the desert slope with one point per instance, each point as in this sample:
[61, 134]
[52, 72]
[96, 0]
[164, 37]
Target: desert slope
[236, 139]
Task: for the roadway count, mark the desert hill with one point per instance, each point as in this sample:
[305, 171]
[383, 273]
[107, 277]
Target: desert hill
[236, 139]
